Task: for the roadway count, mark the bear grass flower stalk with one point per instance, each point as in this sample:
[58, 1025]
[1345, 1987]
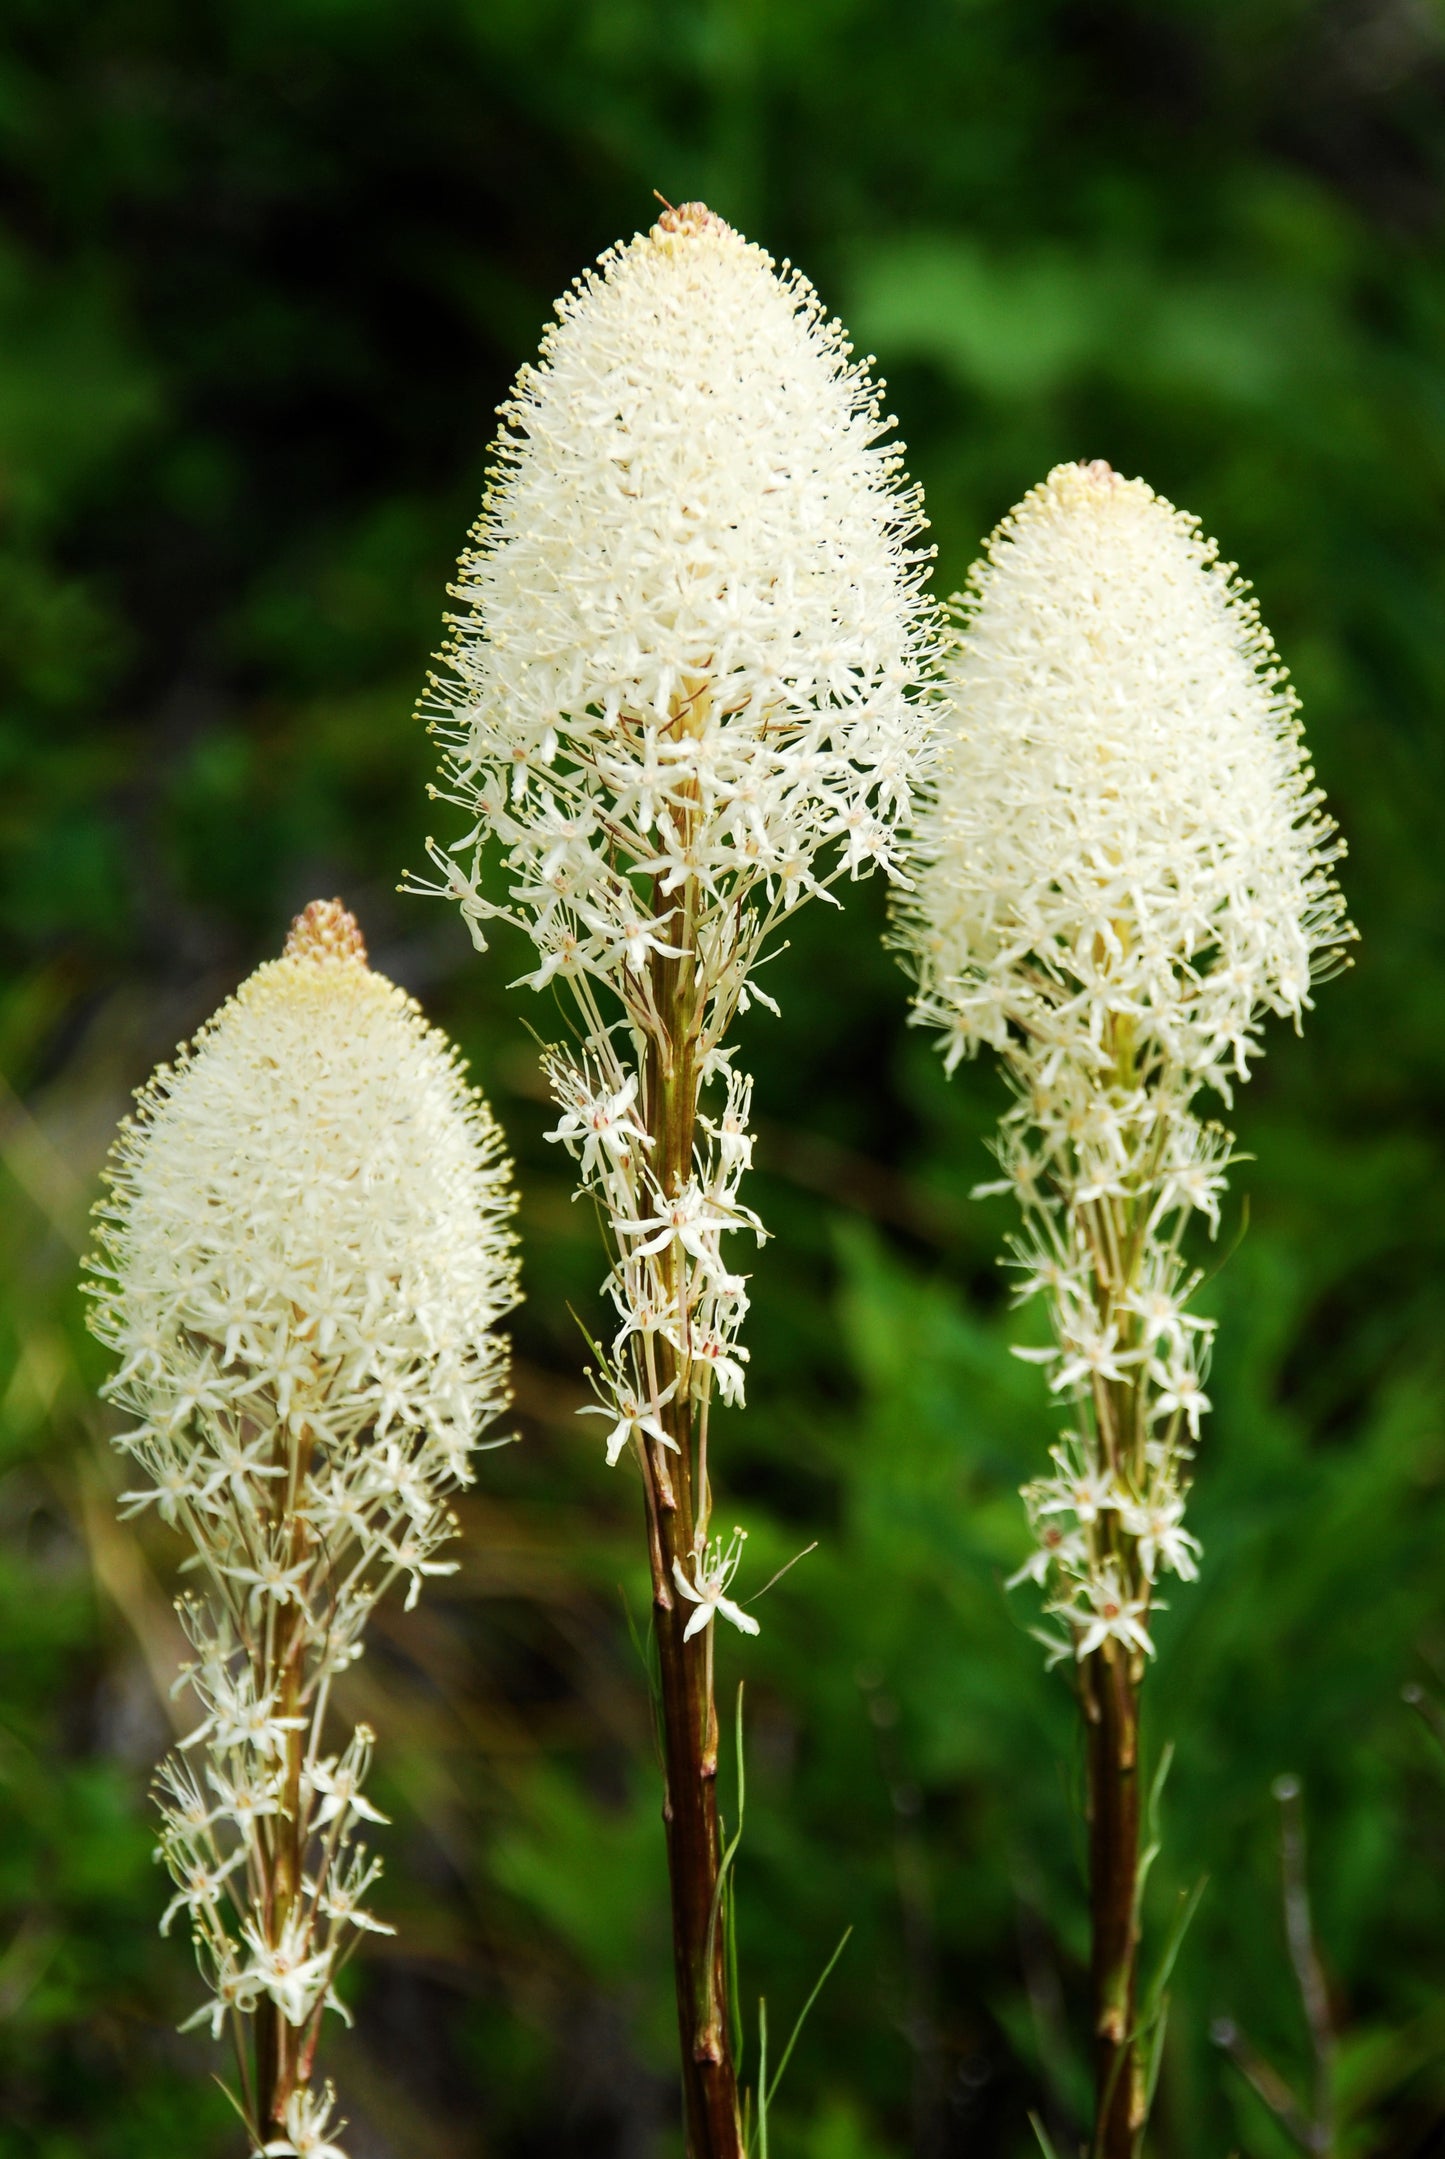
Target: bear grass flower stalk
[303, 1260]
[1121, 868]
[676, 700]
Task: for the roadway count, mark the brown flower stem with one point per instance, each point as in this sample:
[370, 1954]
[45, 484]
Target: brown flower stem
[1111, 1707]
[278, 2043]
[694, 1856]
[276, 2040]
[269, 2023]
[1109, 1693]
[677, 1506]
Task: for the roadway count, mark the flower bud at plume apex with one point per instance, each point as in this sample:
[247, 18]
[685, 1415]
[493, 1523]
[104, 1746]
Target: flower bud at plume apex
[687, 220]
[325, 929]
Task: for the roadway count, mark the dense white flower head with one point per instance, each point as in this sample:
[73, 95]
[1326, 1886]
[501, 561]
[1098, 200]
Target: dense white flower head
[1120, 867]
[1123, 826]
[691, 618]
[679, 698]
[307, 1225]
[303, 1260]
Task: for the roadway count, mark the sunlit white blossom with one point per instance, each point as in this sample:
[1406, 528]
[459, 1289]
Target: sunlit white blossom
[633, 1419]
[1163, 1540]
[1125, 829]
[691, 616]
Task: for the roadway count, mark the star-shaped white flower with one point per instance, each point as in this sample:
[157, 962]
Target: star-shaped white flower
[1162, 1539]
[289, 1971]
[605, 1125]
[306, 2122]
[201, 1887]
[1096, 1359]
[691, 1219]
[634, 1419]
[1062, 1547]
[1110, 1615]
[1086, 1496]
[1182, 1395]
[713, 1570]
[338, 1784]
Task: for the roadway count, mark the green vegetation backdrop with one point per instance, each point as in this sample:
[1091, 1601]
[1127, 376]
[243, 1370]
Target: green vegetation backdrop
[266, 267]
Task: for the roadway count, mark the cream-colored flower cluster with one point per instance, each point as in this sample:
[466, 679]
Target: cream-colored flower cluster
[303, 1260]
[1121, 867]
[1124, 830]
[689, 622]
[678, 701]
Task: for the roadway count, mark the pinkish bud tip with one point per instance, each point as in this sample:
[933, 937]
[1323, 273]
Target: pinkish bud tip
[325, 931]
[690, 219]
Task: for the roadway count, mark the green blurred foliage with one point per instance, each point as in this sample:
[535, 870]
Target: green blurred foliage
[265, 270]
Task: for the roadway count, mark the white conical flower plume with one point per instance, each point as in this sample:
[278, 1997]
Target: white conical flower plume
[303, 1260]
[678, 694]
[1121, 866]
[678, 701]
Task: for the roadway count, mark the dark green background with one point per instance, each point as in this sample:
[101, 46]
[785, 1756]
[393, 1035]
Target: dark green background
[266, 268]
